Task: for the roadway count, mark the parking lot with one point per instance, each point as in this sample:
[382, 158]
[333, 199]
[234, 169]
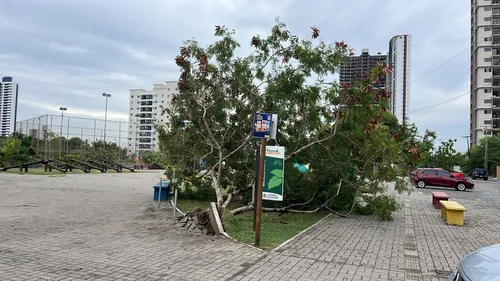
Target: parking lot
[106, 227]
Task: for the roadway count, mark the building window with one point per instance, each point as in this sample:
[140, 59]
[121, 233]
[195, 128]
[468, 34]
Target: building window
[487, 19]
[487, 70]
[487, 28]
[168, 89]
[487, 122]
[487, 80]
[487, 8]
[487, 101]
[487, 90]
[487, 39]
[487, 111]
[487, 49]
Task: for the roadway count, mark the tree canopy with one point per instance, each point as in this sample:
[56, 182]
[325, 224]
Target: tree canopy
[343, 131]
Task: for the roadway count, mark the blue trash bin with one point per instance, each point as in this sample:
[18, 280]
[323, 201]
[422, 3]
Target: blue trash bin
[162, 191]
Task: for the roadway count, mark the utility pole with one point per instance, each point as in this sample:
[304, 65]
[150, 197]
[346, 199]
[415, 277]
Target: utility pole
[468, 145]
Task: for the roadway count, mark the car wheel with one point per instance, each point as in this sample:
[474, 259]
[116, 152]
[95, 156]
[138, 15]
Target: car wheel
[421, 184]
[461, 186]
[485, 179]
[473, 178]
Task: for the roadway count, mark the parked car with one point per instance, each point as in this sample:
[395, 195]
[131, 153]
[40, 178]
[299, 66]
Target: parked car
[442, 178]
[481, 265]
[457, 174]
[480, 173]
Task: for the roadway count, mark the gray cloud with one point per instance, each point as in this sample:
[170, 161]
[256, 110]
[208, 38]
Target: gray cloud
[66, 53]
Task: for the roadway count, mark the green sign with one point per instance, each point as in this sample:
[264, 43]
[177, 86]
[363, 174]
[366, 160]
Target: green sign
[274, 169]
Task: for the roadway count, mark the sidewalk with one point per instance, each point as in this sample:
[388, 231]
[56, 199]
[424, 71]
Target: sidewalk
[417, 245]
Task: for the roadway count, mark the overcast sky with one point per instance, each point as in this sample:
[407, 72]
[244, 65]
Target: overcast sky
[67, 52]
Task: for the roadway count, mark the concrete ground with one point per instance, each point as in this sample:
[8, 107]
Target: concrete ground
[106, 227]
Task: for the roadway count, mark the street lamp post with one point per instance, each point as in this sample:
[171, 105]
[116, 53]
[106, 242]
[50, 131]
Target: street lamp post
[62, 109]
[486, 149]
[105, 116]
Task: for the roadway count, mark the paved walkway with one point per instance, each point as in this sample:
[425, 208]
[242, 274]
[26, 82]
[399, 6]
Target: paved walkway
[417, 245]
[78, 227]
[102, 227]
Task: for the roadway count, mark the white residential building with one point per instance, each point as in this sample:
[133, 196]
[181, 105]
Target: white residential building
[8, 105]
[485, 68]
[145, 109]
[398, 81]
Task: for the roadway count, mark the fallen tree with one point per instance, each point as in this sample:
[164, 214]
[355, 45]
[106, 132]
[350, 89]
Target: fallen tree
[344, 131]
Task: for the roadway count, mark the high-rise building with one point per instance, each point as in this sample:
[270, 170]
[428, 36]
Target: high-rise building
[361, 66]
[484, 69]
[146, 109]
[8, 105]
[398, 81]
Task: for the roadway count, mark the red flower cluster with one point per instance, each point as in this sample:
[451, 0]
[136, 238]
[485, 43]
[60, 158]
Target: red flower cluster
[341, 44]
[315, 32]
[203, 63]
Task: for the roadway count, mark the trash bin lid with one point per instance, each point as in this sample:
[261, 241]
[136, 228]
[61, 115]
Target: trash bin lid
[164, 184]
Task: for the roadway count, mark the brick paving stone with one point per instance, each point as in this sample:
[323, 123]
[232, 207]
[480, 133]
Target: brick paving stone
[417, 245]
[106, 227]
[103, 227]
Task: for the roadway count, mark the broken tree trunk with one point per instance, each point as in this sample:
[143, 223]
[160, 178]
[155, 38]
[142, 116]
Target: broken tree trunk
[197, 220]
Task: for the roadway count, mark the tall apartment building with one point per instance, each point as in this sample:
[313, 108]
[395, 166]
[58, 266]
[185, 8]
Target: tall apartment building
[145, 109]
[398, 81]
[361, 66]
[8, 105]
[484, 68]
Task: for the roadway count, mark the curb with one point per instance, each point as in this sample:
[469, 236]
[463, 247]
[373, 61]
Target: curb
[243, 243]
[300, 233]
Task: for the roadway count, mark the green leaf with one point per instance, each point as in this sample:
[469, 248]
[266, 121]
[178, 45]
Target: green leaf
[274, 182]
[277, 172]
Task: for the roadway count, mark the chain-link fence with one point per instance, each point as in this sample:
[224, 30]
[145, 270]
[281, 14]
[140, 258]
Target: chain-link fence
[56, 135]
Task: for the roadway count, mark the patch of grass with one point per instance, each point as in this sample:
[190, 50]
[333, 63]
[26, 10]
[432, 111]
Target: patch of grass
[187, 205]
[275, 229]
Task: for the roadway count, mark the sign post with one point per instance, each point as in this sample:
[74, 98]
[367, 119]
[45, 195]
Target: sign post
[264, 127]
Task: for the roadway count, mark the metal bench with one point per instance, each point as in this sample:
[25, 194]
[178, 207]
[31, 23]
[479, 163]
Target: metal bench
[438, 196]
[452, 212]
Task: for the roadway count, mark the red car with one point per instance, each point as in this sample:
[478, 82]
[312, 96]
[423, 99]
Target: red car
[442, 178]
[457, 174]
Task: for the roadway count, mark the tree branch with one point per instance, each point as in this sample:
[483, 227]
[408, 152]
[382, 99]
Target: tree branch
[307, 146]
[287, 208]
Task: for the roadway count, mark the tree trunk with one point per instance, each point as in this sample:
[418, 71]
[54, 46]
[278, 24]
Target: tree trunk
[217, 188]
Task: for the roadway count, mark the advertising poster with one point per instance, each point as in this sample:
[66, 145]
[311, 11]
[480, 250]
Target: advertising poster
[274, 169]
